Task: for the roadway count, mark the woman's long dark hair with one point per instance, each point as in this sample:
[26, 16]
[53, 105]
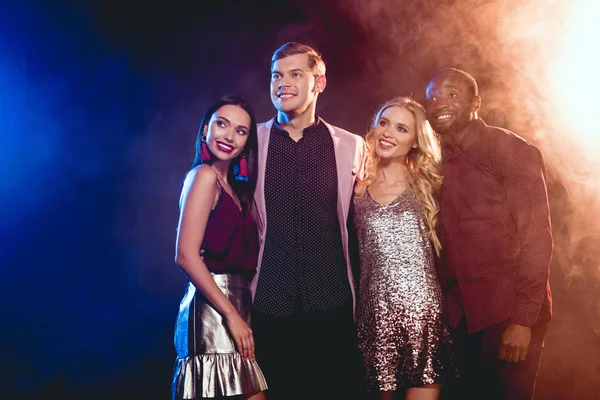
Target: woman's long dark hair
[243, 187]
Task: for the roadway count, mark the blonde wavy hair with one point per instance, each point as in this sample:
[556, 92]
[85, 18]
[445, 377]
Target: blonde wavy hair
[422, 162]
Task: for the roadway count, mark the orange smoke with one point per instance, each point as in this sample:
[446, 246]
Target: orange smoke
[576, 86]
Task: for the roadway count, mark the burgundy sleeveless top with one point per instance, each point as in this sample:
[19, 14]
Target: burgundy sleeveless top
[231, 239]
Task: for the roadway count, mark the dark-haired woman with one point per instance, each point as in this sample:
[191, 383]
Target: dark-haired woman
[213, 340]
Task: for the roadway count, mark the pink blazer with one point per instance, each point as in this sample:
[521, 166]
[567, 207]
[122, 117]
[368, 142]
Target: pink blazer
[350, 151]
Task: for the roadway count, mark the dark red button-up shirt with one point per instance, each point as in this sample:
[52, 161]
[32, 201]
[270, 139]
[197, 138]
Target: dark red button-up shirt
[496, 232]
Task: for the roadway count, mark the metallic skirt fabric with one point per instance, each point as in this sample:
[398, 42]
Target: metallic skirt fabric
[401, 334]
[208, 364]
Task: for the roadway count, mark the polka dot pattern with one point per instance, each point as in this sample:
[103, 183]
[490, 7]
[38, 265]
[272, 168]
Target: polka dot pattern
[495, 227]
[303, 266]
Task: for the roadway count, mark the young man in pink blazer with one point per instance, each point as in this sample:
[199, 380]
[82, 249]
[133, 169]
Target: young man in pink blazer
[304, 292]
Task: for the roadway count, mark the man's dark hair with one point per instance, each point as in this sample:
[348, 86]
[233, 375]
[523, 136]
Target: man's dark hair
[315, 62]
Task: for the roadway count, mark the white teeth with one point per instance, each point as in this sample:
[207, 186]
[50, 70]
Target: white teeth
[386, 144]
[285, 96]
[444, 116]
[225, 146]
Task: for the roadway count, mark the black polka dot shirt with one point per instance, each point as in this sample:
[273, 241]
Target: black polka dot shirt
[303, 266]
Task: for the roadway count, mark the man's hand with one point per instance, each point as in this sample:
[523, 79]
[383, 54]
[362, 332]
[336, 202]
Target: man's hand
[514, 344]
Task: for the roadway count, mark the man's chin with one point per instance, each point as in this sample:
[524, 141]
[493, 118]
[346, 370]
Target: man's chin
[285, 110]
[441, 129]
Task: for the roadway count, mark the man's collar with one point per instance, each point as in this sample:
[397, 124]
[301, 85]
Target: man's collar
[308, 130]
[469, 138]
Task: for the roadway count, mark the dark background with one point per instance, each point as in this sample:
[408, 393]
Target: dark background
[99, 107]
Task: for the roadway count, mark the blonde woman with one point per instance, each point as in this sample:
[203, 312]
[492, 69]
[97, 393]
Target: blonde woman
[404, 342]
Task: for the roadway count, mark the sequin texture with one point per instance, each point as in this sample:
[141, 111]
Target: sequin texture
[400, 330]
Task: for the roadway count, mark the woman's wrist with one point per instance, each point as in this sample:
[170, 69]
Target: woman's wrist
[229, 312]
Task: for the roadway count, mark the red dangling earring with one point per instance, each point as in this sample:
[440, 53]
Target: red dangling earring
[204, 154]
[243, 167]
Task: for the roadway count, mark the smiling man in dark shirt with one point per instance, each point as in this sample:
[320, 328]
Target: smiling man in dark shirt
[304, 289]
[497, 240]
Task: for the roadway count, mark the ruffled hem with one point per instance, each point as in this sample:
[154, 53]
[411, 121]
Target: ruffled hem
[216, 375]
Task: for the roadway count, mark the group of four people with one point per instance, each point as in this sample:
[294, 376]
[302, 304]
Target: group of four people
[332, 267]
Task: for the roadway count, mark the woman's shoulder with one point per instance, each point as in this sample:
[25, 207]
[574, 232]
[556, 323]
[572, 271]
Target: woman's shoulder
[359, 189]
[198, 179]
[203, 171]
[200, 174]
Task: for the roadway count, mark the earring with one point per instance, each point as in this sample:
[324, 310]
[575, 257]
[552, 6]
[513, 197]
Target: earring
[243, 167]
[204, 153]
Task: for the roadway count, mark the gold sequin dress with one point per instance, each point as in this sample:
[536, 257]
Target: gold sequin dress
[400, 330]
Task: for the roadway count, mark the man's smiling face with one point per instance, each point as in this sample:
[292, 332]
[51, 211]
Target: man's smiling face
[451, 105]
[294, 86]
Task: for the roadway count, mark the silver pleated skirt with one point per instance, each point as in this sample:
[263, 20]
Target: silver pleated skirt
[208, 364]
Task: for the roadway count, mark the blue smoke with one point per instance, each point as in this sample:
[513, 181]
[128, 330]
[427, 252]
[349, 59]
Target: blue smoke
[75, 320]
